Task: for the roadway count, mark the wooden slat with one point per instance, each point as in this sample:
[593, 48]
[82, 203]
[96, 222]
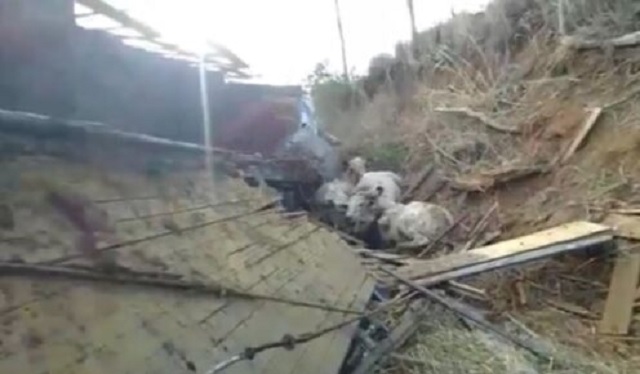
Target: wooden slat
[622, 292]
[561, 239]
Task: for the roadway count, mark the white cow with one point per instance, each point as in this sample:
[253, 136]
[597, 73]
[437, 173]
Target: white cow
[337, 192]
[414, 224]
[374, 191]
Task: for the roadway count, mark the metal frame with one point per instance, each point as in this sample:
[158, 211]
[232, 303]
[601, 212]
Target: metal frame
[220, 57]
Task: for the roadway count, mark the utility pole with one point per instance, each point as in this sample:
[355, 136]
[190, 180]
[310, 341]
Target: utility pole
[345, 67]
[412, 19]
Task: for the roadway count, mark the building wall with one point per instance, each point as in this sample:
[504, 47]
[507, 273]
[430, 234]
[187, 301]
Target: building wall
[50, 66]
[35, 48]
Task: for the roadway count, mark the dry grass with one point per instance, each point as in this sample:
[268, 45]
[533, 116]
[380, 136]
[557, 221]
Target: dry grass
[445, 345]
[504, 63]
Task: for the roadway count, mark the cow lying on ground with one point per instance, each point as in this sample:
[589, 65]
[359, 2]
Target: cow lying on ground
[360, 210]
[414, 224]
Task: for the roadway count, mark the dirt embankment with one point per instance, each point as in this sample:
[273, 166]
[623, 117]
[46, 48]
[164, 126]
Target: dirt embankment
[501, 109]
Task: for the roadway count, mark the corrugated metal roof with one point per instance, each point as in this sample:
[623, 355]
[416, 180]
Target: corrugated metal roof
[168, 219]
[102, 14]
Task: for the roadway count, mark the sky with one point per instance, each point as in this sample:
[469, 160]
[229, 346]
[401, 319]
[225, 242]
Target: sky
[283, 40]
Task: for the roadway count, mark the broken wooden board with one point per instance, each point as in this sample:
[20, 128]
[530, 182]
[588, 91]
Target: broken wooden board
[561, 239]
[624, 226]
[618, 309]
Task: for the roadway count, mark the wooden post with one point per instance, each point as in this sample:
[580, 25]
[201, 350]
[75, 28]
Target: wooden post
[618, 310]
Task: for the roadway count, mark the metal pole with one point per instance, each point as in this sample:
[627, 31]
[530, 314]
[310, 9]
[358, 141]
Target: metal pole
[343, 47]
[206, 120]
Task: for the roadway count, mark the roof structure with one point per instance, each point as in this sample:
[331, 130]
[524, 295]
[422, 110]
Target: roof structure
[139, 34]
[156, 215]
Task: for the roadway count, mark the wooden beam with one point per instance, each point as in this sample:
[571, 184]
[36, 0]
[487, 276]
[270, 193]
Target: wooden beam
[618, 309]
[561, 239]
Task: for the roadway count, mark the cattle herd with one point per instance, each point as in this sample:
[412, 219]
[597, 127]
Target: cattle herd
[367, 205]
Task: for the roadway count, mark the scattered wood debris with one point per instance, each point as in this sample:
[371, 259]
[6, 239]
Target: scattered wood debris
[624, 226]
[466, 290]
[474, 317]
[383, 256]
[628, 211]
[489, 122]
[618, 310]
[582, 134]
[571, 308]
[424, 175]
[521, 293]
[483, 181]
[627, 40]
[561, 239]
[479, 228]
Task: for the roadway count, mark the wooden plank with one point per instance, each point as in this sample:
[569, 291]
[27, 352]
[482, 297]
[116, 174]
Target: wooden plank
[560, 239]
[618, 308]
[624, 226]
